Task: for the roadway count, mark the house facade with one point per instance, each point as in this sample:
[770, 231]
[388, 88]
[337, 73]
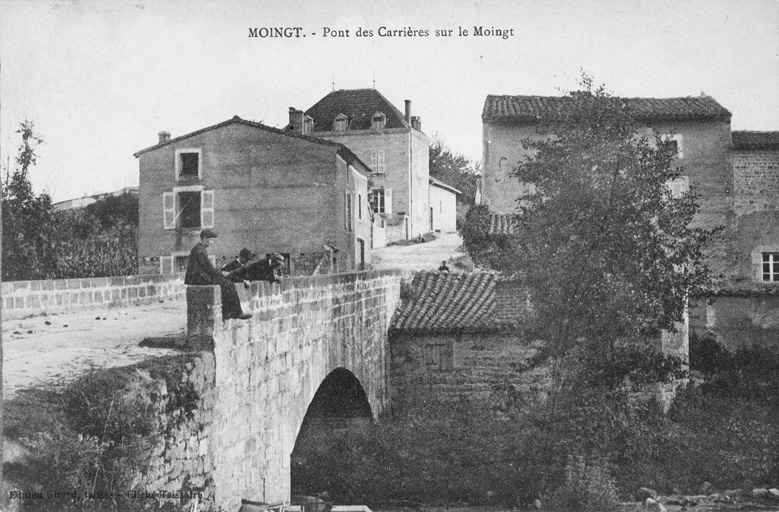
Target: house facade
[734, 173]
[393, 144]
[265, 189]
[699, 125]
[443, 207]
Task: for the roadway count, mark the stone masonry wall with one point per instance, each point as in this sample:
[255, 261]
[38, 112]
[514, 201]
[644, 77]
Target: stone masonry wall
[27, 298]
[479, 362]
[269, 368]
[755, 181]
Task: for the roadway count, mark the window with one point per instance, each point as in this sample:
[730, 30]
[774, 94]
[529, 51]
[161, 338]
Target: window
[439, 356]
[188, 164]
[340, 123]
[378, 121]
[180, 263]
[675, 139]
[188, 208]
[377, 161]
[770, 267]
[381, 200]
[348, 212]
[359, 206]
[361, 248]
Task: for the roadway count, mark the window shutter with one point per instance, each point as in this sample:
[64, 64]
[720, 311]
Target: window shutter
[387, 200]
[380, 161]
[207, 209]
[168, 210]
[166, 264]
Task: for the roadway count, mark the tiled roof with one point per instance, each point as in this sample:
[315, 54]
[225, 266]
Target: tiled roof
[530, 109]
[447, 302]
[502, 224]
[358, 105]
[755, 140]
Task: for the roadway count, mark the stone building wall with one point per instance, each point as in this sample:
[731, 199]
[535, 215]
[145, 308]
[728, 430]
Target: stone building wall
[27, 298]
[755, 181]
[457, 366]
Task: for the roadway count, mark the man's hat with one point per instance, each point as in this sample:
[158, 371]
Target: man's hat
[208, 233]
[246, 253]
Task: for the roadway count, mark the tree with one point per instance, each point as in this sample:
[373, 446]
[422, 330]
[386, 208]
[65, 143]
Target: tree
[606, 252]
[28, 223]
[454, 169]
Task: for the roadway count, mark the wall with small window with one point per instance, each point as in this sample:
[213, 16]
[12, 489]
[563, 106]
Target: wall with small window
[445, 367]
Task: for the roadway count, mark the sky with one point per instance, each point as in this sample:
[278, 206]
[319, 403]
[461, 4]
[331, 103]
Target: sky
[100, 79]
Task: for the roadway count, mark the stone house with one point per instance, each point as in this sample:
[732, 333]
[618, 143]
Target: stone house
[393, 142]
[455, 337]
[736, 175]
[269, 190]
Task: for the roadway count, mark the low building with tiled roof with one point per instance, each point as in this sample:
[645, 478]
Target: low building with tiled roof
[270, 190]
[746, 140]
[391, 141]
[456, 336]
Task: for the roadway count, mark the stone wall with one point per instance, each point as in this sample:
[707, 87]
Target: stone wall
[469, 366]
[29, 298]
[269, 368]
[755, 181]
[739, 319]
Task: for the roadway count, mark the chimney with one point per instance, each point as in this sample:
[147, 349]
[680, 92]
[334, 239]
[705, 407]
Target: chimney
[295, 120]
[511, 302]
[408, 111]
[164, 137]
[416, 123]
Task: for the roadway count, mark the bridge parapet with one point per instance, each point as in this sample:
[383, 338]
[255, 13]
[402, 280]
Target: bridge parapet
[268, 368]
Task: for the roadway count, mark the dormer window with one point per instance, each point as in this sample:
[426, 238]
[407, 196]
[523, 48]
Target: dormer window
[378, 121]
[341, 123]
[308, 124]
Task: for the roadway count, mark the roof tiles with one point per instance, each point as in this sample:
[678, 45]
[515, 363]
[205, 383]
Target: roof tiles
[530, 109]
[446, 302]
[755, 140]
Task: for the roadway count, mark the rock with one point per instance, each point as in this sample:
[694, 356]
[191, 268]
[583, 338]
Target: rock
[676, 490]
[645, 492]
[705, 488]
[759, 493]
[538, 505]
[654, 506]
[773, 493]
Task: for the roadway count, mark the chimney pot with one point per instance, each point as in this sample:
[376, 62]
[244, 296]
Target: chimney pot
[408, 111]
[164, 137]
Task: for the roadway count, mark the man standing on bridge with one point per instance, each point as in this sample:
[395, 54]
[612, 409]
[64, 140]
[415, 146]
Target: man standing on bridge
[200, 271]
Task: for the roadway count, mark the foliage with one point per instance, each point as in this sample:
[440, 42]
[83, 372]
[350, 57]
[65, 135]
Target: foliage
[605, 250]
[28, 224]
[41, 243]
[454, 169]
[587, 487]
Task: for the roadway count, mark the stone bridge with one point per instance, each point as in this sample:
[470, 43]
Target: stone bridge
[315, 344]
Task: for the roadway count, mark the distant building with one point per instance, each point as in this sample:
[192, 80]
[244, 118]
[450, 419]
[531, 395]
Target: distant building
[269, 190]
[443, 207]
[392, 141]
[81, 202]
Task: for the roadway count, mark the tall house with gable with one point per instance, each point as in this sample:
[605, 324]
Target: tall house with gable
[699, 125]
[391, 141]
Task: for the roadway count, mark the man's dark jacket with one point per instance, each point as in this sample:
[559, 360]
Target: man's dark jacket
[200, 270]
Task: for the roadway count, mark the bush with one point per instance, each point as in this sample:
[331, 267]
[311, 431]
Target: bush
[587, 487]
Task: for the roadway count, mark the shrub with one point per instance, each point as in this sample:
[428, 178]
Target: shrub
[587, 487]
